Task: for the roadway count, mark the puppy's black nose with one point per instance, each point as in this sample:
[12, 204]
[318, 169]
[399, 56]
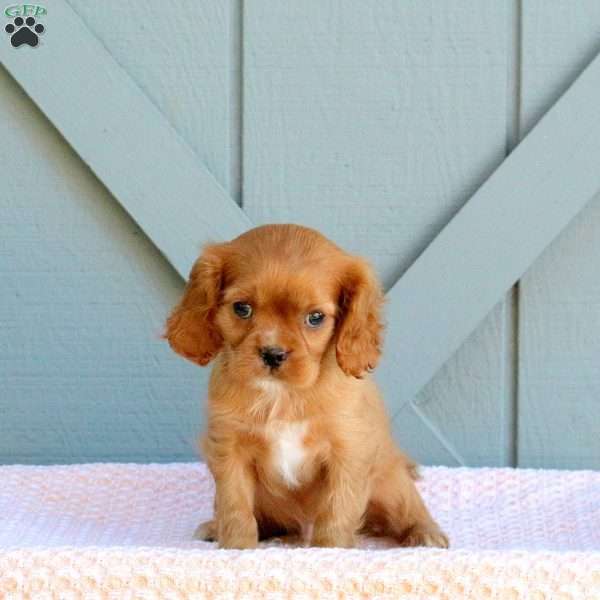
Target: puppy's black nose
[273, 356]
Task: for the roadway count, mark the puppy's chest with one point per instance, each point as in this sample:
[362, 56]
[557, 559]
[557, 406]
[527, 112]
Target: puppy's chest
[289, 452]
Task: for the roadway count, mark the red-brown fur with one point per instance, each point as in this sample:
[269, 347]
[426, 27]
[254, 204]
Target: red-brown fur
[349, 476]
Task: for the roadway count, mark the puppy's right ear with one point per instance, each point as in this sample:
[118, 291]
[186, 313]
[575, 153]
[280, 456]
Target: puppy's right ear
[191, 329]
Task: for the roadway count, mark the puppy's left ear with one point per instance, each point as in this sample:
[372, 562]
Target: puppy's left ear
[359, 334]
[191, 330]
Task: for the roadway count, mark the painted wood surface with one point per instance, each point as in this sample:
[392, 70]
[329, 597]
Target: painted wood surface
[540, 187]
[122, 135]
[559, 309]
[375, 122]
[84, 375]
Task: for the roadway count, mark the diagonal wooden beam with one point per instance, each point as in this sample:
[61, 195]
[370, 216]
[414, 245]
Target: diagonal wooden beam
[493, 240]
[124, 138]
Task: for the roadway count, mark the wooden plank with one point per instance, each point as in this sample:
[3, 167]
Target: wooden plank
[375, 122]
[491, 242]
[124, 138]
[84, 375]
[559, 310]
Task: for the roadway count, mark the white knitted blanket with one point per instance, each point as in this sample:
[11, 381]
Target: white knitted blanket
[125, 531]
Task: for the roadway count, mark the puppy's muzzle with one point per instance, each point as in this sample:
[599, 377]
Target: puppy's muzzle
[273, 356]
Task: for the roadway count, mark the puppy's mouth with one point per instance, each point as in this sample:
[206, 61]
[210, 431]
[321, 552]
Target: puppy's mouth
[273, 372]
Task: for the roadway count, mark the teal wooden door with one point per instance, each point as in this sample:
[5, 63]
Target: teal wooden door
[132, 134]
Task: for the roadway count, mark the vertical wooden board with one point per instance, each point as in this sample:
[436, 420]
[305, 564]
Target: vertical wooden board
[374, 122]
[559, 312]
[181, 56]
[84, 374]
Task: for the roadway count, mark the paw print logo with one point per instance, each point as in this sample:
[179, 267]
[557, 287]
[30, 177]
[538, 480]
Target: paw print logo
[24, 32]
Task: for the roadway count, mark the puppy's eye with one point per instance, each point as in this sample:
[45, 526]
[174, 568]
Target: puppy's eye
[242, 310]
[314, 319]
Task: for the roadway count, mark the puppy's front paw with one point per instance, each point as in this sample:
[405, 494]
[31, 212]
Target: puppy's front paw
[333, 538]
[238, 534]
[426, 535]
[207, 531]
[239, 541]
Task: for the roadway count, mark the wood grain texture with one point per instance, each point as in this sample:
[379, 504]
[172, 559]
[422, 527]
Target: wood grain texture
[84, 375]
[183, 62]
[467, 402]
[559, 374]
[505, 226]
[375, 122]
[123, 136]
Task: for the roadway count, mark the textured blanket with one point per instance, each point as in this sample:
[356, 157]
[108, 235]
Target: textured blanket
[125, 531]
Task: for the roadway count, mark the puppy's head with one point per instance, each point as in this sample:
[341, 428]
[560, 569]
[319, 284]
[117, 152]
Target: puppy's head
[276, 301]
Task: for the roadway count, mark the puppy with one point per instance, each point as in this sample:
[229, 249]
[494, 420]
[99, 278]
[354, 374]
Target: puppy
[297, 439]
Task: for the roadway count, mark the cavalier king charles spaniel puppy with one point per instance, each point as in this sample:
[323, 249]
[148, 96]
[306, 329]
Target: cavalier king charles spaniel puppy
[297, 437]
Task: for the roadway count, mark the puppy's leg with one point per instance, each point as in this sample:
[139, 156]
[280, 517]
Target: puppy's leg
[344, 504]
[234, 506]
[396, 509]
[267, 529]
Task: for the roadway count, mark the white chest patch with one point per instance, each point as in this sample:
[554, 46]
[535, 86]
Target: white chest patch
[288, 450]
